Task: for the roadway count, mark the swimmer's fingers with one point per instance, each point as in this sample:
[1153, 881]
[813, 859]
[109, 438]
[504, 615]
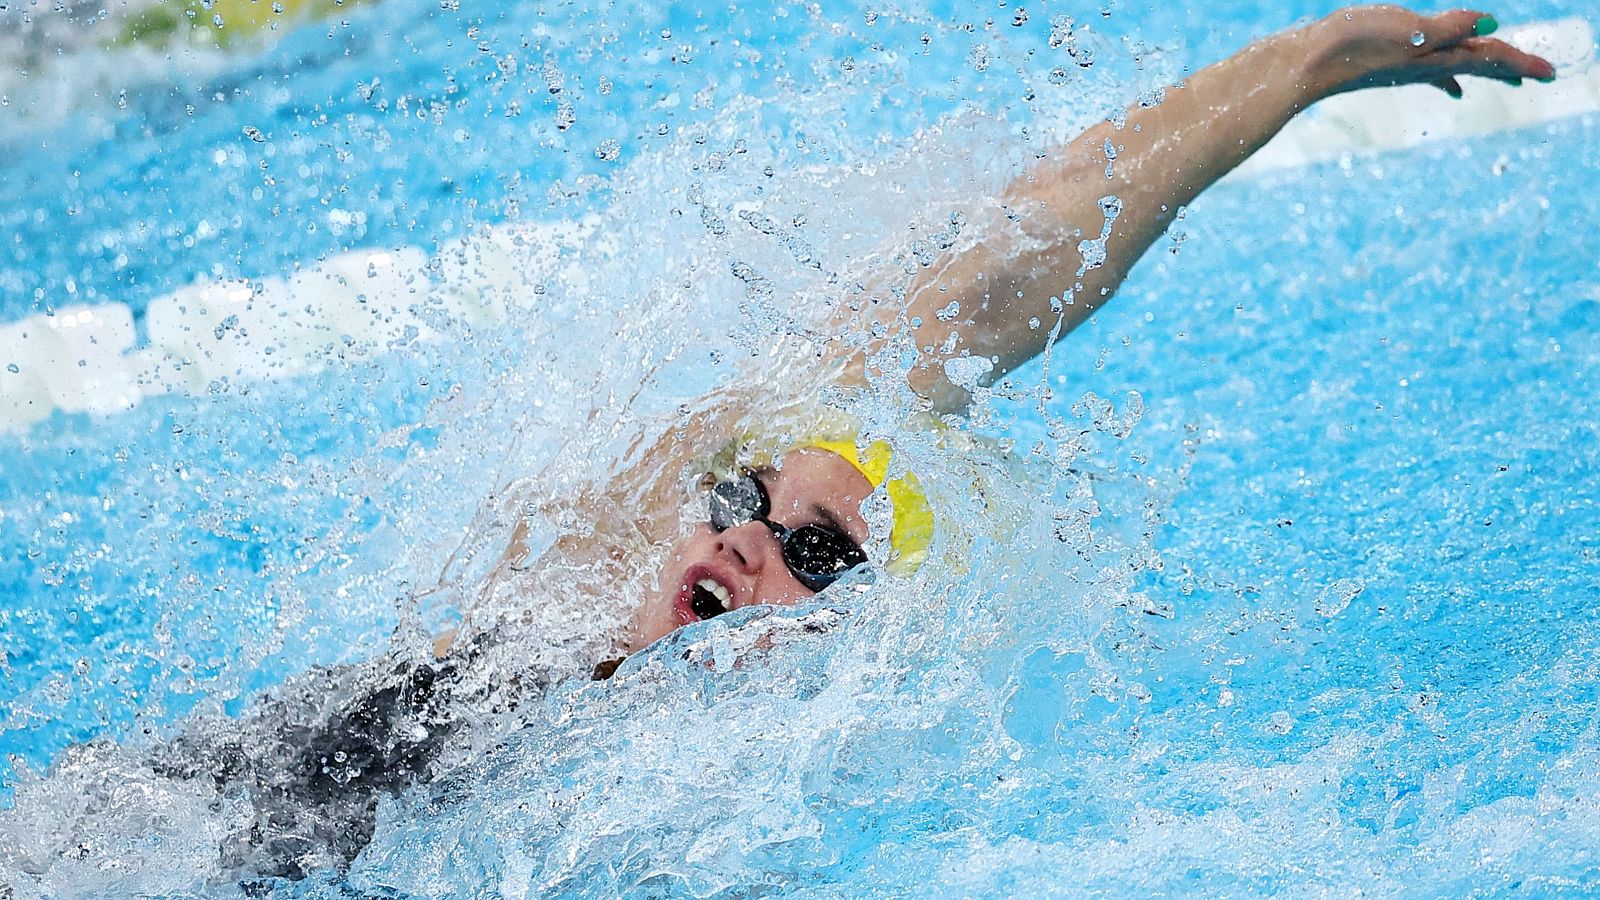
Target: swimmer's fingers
[1491, 58]
[1450, 86]
[1382, 46]
[1459, 41]
[1476, 57]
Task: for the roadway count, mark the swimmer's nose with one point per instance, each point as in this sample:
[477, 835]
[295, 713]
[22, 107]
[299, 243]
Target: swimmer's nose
[747, 546]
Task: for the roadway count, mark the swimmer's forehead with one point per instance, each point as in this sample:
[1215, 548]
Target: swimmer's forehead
[826, 501]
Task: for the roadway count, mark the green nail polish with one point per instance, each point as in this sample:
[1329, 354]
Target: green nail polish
[1486, 26]
[1550, 80]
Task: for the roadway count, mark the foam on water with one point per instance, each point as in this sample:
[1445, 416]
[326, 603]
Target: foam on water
[1275, 590]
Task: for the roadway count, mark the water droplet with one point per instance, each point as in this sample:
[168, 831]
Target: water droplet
[1060, 30]
[608, 150]
[1336, 597]
[1418, 39]
[554, 79]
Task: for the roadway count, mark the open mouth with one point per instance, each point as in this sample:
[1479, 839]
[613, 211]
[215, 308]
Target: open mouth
[708, 598]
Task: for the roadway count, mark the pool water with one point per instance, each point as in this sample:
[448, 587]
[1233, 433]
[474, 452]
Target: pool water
[1297, 592]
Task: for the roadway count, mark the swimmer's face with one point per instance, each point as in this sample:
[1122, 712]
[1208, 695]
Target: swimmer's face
[813, 487]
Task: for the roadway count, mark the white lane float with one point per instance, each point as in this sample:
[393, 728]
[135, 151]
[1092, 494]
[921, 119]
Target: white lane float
[343, 309]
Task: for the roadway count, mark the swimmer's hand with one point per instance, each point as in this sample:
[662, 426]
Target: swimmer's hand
[1383, 46]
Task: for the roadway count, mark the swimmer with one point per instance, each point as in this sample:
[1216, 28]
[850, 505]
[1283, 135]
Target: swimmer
[788, 522]
[809, 526]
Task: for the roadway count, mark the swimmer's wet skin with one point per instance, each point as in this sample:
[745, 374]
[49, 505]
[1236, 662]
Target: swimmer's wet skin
[775, 535]
[817, 554]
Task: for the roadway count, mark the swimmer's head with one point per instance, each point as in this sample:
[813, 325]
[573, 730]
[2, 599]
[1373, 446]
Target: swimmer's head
[817, 481]
[912, 528]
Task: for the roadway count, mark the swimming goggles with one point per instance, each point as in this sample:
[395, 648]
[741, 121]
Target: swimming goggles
[816, 554]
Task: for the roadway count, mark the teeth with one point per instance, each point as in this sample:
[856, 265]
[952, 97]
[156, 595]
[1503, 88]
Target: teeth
[717, 590]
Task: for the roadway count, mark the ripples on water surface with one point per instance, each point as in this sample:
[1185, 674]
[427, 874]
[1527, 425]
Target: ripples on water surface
[1299, 595]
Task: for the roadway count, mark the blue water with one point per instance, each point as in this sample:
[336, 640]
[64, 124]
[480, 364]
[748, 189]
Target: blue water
[1332, 628]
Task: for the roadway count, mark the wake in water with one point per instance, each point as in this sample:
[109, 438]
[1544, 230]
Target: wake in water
[896, 724]
[290, 786]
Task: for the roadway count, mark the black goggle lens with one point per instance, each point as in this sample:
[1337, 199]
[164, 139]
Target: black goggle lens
[737, 501]
[817, 555]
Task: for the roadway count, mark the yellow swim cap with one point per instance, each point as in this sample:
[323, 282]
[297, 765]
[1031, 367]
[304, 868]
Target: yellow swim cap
[912, 530]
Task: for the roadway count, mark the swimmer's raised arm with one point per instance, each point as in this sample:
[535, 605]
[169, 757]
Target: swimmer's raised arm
[1165, 156]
